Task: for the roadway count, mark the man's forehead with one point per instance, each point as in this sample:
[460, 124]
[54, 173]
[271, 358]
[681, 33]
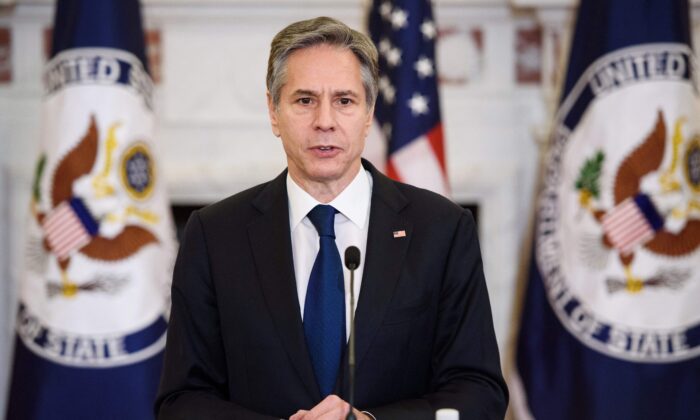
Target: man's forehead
[321, 51]
[321, 47]
[323, 68]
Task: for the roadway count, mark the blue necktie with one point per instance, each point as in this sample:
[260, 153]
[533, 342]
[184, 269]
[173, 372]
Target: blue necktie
[324, 309]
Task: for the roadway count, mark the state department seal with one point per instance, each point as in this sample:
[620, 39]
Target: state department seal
[99, 239]
[618, 225]
[137, 171]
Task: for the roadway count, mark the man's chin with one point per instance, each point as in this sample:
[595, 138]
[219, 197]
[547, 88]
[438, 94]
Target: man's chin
[325, 177]
[327, 172]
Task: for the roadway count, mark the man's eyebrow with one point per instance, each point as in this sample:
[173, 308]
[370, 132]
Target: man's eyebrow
[309, 92]
[305, 92]
[345, 93]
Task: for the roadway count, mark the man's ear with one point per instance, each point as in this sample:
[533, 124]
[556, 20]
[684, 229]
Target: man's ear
[370, 118]
[272, 112]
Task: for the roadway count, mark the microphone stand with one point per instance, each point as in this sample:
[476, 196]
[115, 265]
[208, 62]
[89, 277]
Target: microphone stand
[352, 261]
[351, 345]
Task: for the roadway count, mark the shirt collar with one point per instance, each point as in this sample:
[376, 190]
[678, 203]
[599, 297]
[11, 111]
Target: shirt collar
[352, 202]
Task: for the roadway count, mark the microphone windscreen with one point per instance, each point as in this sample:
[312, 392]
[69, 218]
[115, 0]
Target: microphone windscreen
[352, 257]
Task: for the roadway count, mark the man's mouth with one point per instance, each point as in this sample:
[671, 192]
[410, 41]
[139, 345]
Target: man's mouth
[325, 151]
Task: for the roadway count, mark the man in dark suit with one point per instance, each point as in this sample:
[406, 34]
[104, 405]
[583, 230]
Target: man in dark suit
[260, 301]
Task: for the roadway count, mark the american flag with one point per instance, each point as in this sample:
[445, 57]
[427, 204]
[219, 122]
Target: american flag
[631, 223]
[408, 109]
[69, 227]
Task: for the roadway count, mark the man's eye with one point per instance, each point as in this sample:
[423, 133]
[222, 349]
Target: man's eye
[304, 101]
[345, 101]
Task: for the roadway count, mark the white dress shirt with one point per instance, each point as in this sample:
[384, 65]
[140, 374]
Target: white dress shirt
[351, 223]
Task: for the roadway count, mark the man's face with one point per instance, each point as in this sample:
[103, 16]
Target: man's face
[322, 116]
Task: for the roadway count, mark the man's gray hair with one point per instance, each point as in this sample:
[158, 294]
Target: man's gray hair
[318, 31]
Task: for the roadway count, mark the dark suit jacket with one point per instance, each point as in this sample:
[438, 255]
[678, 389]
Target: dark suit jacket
[425, 339]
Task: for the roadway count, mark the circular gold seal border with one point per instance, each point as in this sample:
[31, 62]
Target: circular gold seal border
[139, 147]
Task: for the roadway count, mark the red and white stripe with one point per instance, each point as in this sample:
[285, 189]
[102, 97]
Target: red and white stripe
[422, 163]
[64, 231]
[626, 226]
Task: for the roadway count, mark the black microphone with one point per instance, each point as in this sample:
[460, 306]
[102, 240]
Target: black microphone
[352, 261]
[352, 258]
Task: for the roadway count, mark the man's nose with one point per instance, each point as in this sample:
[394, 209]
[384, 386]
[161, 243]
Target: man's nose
[325, 116]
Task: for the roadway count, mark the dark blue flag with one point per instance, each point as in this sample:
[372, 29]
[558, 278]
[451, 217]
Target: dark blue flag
[610, 325]
[91, 321]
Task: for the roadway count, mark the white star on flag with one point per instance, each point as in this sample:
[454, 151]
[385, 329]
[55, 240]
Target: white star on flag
[428, 29]
[399, 19]
[385, 10]
[418, 104]
[386, 128]
[393, 57]
[424, 67]
[383, 82]
[384, 46]
[388, 91]
[389, 94]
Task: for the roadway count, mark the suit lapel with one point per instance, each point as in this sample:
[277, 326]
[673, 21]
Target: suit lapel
[270, 241]
[383, 261]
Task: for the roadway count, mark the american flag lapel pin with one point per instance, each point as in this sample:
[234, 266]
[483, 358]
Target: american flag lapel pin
[399, 234]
